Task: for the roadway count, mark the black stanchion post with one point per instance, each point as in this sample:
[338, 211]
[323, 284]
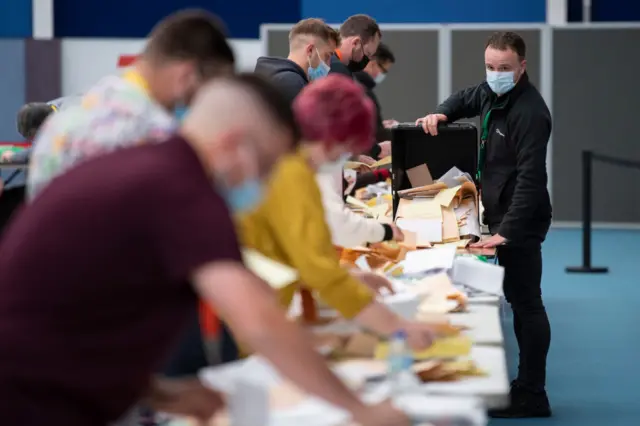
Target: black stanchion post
[587, 162]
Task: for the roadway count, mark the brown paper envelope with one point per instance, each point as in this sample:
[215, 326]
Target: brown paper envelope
[410, 240]
[450, 230]
[419, 176]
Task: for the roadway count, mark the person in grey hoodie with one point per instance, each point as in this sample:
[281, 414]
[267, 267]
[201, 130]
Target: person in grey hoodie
[13, 181]
[310, 47]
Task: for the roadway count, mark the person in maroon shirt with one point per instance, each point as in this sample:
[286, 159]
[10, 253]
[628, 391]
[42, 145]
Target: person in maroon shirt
[100, 271]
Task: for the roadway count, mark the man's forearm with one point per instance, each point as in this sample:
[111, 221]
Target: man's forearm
[379, 319]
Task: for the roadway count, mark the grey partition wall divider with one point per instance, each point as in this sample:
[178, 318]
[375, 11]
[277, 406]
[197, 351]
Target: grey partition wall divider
[595, 106]
[411, 89]
[586, 73]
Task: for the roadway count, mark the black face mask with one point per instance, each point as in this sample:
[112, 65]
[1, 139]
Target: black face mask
[359, 65]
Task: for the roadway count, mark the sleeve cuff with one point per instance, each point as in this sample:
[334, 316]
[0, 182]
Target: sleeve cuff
[388, 232]
[382, 175]
[375, 151]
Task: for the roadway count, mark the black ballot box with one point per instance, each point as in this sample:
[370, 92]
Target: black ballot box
[456, 145]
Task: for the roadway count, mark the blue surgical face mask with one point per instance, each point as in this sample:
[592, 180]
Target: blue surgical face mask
[322, 70]
[335, 166]
[244, 197]
[180, 112]
[380, 77]
[500, 82]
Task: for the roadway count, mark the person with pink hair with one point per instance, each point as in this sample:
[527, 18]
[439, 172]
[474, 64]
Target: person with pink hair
[336, 120]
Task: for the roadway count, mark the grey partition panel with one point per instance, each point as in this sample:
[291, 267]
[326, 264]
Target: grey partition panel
[595, 106]
[278, 43]
[467, 57]
[411, 88]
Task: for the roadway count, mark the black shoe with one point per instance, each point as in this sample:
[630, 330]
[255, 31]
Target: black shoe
[524, 403]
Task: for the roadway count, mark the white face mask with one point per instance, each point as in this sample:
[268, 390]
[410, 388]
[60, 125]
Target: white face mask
[335, 166]
[380, 78]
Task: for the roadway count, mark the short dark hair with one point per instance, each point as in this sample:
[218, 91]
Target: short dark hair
[313, 27]
[363, 26]
[192, 34]
[504, 40]
[273, 101]
[31, 117]
[384, 54]
[334, 35]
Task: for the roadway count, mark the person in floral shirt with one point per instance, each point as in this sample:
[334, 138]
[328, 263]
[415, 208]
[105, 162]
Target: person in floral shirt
[138, 106]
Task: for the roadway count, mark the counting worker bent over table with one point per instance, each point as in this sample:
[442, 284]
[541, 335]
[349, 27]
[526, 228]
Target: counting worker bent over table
[125, 243]
[336, 120]
[516, 126]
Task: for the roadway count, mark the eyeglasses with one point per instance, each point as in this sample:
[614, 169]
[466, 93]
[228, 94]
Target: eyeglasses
[382, 67]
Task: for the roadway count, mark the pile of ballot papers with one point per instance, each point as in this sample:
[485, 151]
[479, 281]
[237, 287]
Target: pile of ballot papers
[257, 396]
[445, 211]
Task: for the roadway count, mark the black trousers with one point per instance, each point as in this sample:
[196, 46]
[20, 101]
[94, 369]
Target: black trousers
[10, 201]
[189, 356]
[522, 279]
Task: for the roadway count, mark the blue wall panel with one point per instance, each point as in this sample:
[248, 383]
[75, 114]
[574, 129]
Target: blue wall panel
[429, 11]
[615, 10]
[15, 18]
[12, 87]
[135, 18]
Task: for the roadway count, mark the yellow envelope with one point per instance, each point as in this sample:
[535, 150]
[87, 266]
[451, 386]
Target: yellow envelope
[446, 347]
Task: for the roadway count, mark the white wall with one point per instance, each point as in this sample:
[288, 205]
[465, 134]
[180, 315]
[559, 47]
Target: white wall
[85, 61]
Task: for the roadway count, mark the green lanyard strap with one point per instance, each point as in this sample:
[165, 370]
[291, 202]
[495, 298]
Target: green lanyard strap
[483, 144]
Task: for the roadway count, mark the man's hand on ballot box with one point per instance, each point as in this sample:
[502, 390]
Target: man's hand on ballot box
[493, 241]
[430, 123]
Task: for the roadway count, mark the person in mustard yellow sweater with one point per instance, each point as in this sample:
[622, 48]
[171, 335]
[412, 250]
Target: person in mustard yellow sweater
[336, 120]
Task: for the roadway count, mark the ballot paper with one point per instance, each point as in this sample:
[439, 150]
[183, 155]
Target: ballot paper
[349, 165]
[420, 261]
[482, 276]
[454, 177]
[419, 208]
[446, 196]
[356, 203]
[427, 230]
[248, 404]
[274, 273]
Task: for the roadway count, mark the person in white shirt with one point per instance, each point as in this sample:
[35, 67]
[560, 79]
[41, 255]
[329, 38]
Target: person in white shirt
[349, 229]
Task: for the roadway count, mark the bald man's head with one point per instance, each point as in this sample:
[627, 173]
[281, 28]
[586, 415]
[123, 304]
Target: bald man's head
[240, 126]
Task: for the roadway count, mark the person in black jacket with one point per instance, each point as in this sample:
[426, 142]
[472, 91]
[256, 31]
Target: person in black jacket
[374, 74]
[310, 48]
[360, 36]
[516, 126]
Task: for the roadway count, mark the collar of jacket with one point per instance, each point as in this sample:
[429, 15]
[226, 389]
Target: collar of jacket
[365, 79]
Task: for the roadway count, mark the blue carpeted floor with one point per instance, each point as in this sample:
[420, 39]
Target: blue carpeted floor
[593, 369]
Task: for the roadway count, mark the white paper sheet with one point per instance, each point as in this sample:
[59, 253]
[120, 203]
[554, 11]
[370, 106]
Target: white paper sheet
[419, 261]
[483, 276]
[427, 230]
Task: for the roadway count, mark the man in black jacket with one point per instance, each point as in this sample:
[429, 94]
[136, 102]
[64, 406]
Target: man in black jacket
[310, 48]
[360, 36]
[374, 74]
[516, 125]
